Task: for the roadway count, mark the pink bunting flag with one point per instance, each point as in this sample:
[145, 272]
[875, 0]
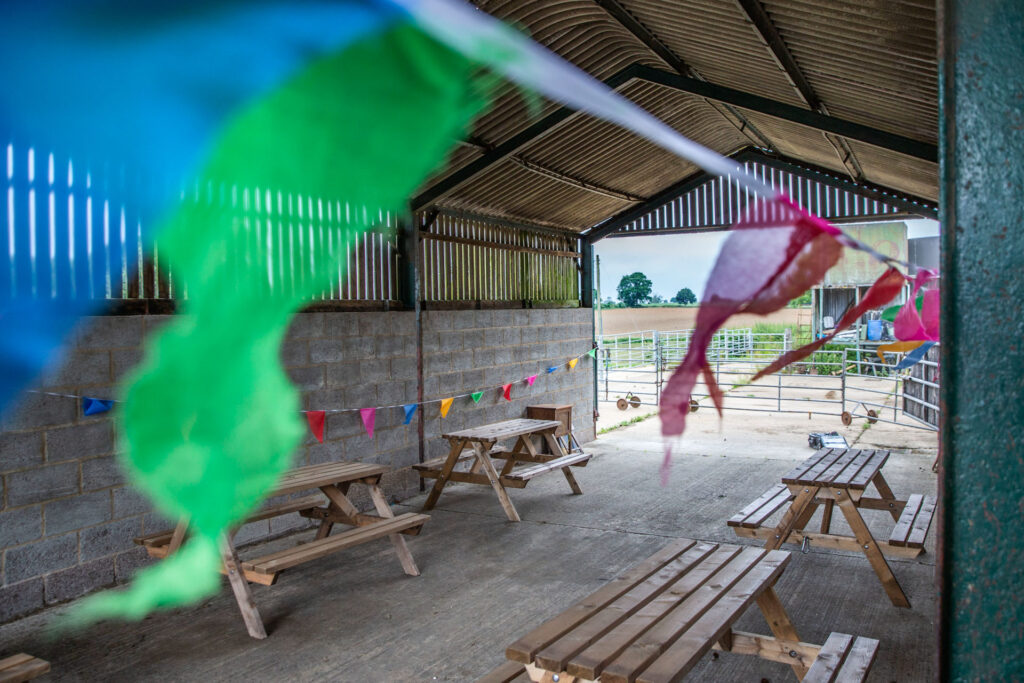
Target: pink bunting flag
[531, 379]
[369, 416]
[315, 418]
[506, 391]
[910, 325]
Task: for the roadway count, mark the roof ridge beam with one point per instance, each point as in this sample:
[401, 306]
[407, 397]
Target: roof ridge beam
[773, 40]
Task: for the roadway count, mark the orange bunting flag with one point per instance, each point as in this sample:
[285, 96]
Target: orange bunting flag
[316, 423]
[445, 405]
[573, 363]
[506, 391]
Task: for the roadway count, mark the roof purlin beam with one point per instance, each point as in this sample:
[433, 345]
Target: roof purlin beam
[654, 44]
[507, 148]
[772, 39]
[780, 110]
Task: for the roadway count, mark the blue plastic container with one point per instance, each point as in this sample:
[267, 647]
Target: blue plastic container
[874, 330]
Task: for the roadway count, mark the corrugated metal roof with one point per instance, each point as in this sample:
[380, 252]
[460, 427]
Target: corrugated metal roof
[872, 63]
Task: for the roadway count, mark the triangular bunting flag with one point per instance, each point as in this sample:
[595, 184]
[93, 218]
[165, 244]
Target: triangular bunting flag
[531, 379]
[410, 410]
[369, 416]
[552, 369]
[573, 363]
[592, 352]
[95, 406]
[506, 391]
[476, 396]
[445, 405]
[315, 418]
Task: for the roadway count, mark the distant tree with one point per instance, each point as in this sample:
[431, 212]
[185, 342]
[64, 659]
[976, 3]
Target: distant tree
[801, 301]
[685, 296]
[657, 299]
[634, 290]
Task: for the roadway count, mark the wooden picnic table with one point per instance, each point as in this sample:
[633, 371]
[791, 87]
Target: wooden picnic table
[840, 476]
[523, 462]
[657, 620]
[330, 506]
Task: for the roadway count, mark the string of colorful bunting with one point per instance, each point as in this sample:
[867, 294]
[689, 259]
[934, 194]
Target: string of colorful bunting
[317, 418]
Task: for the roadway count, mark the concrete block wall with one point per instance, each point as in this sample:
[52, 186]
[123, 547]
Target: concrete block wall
[67, 515]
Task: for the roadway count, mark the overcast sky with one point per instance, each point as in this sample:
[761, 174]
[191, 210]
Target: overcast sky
[676, 261]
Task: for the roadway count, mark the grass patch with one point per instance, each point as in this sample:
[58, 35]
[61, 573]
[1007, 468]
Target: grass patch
[625, 423]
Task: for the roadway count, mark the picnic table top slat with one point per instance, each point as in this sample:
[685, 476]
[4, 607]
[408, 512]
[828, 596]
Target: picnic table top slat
[506, 429]
[313, 476]
[846, 468]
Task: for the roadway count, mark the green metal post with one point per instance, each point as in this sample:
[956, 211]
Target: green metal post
[981, 547]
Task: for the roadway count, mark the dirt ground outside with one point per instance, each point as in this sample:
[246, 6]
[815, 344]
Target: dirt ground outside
[624, 320]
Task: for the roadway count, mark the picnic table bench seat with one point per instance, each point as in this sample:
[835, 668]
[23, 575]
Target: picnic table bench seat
[654, 623]
[912, 526]
[22, 667]
[528, 473]
[843, 658]
[331, 506]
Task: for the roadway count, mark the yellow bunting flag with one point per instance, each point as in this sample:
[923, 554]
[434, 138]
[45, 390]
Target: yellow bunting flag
[445, 405]
[897, 347]
[573, 363]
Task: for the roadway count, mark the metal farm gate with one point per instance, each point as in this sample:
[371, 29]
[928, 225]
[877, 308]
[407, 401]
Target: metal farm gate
[846, 381]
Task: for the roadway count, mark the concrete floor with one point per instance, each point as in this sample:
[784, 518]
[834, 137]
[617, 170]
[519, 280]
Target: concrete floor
[485, 581]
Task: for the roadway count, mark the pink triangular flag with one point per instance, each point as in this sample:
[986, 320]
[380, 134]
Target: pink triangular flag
[369, 416]
[316, 423]
[506, 391]
[531, 379]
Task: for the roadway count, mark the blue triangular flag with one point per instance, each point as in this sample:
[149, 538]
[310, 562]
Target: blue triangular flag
[95, 406]
[915, 356]
[552, 369]
[409, 410]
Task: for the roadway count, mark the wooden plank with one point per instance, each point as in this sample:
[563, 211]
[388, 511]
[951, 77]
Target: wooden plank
[504, 430]
[527, 473]
[886, 494]
[454, 452]
[506, 673]
[315, 476]
[499, 489]
[362, 519]
[740, 517]
[437, 463]
[401, 549]
[868, 472]
[590, 662]
[22, 667]
[524, 649]
[291, 557]
[810, 477]
[793, 476]
[473, 478]
[790, 517]
[643, 651]
[772, 649]
[832, 654]
[240, 587]
[766, 511]
[921, 523]
[826, 516]
[906, 521]
[830, 541]
[852, 468]
[870, 548]
[858, 661]
[556, 656]
[838, 466]
[779, 624]
[670, 649]
[287, 507]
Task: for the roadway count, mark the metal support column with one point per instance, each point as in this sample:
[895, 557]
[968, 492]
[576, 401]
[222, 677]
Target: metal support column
[981, 549]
